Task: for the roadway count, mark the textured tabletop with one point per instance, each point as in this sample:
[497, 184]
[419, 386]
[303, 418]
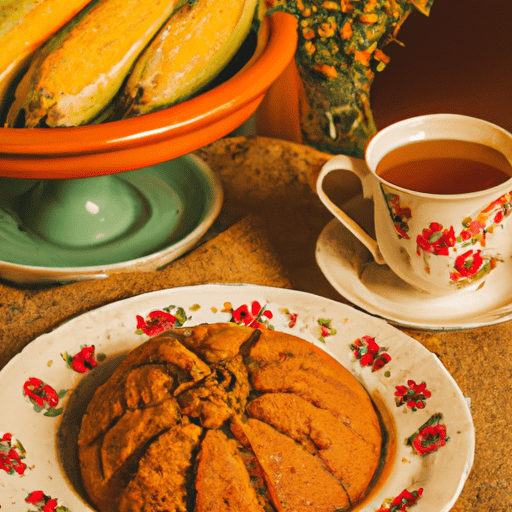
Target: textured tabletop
[266, 234]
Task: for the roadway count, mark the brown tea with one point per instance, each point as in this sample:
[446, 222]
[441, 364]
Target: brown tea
[445, 167]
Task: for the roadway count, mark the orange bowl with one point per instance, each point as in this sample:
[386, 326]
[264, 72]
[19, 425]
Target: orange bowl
[95, 150]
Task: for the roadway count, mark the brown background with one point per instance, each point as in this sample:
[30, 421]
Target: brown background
[458, 60]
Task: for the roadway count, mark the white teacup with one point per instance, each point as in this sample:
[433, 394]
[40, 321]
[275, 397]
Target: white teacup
[446, 231]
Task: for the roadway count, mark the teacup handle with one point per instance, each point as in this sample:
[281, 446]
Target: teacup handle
[360, 169]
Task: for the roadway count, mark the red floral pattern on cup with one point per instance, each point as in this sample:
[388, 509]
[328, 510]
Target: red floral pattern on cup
[369, 353]
[473, 232]
[43, 397]
[436, 240]
[472, 264]
[44, 503]
[12, 453]
[430, 436]
[403, 501]
[400, 215]
[467, 264]
[489, 218]
[414, 395]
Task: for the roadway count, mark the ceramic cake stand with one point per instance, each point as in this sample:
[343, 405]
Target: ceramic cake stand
[85, 201]
[89, 227]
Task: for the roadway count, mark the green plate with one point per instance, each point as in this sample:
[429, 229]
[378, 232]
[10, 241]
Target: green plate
[90, 227]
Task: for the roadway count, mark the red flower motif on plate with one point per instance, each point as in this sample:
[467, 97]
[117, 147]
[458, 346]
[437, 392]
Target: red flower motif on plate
[292, 317]
[403, 501]
[43, 396]
[430, 436]
[369, 353]
[44, 503]
[326, 328]
[160, 321]
[257, 316]
[82, 362]
[414, 395]
[11, 455]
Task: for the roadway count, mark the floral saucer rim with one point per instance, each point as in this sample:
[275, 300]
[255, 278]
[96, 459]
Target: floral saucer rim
[349, 268]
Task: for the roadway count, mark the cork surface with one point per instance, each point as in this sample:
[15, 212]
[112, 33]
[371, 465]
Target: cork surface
[273, 220]
[239, 254]
[278, 176]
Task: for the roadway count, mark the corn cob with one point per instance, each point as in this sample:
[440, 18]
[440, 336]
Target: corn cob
[189, 51]
[339, 50]
[24, 26]
[80, 69]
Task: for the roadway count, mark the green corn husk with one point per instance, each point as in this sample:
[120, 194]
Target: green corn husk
[339, 51]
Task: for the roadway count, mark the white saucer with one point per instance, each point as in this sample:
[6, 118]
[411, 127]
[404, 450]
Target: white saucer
[349, 267]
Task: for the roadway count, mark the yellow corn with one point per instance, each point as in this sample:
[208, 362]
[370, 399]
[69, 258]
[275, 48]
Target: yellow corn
[24, 26]
[80, 69]
[189, 51]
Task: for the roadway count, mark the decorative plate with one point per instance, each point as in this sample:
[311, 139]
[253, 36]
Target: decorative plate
[430, 430]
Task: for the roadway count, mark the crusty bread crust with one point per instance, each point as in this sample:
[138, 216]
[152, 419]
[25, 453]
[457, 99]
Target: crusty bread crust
[224, 417]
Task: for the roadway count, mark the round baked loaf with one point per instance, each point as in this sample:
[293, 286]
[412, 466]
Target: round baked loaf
[224, 417]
